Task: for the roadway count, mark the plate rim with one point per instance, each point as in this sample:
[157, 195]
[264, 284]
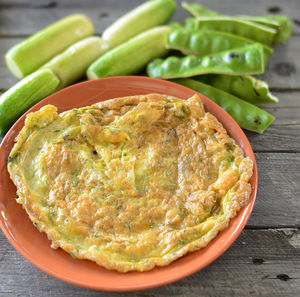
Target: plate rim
[247, 210]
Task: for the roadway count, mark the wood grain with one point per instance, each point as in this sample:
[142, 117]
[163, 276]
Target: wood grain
[260, 263]
[40, 12]
[277, 202]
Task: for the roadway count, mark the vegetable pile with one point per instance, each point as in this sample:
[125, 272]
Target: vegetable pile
[214, 54]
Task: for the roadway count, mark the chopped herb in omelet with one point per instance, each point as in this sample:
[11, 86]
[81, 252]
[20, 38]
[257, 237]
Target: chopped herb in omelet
[131, 182]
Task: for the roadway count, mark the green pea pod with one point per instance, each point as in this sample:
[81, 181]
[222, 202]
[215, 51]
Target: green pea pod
[245, 87]
[236, 26]
[285, 27]
[245, 60]
[261, 20]
[197, 10]
[206, 42]
[281, 23]
[132, 55]
[248, 116]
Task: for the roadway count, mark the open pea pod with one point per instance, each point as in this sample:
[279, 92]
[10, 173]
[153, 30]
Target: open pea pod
[198, 10]
[281, 23]
[239, 61]
[204, 42]
[245, 87]
[236, 26]
[248, 116]
[261, 20]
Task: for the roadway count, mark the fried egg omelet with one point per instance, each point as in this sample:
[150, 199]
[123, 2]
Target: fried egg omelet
[131, 182]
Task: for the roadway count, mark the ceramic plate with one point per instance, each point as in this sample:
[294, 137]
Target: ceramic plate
[35, 246]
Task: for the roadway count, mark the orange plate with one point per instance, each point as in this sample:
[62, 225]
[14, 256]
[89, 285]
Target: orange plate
[35, 246]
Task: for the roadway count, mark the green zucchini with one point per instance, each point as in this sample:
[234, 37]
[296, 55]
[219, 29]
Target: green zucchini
[30, 54]
[131, 56]
[147, 15]
[30, 90]
[71, 65]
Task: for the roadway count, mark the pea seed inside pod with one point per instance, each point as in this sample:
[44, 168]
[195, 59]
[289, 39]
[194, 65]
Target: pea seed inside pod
[191, 61]
[247, 60]
[171, 63]
[245, 87]
[174, 37]
[157, 71]
[206, 42]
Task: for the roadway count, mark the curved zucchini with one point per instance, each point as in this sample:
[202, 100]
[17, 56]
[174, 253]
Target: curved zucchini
[147, 15]
[27, 92]
[131, 56]
[30, 54]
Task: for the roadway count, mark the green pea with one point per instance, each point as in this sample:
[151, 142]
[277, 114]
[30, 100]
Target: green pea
[245, 87]
[248, 116]
[204, 42]
[244, 60]
[236, 26]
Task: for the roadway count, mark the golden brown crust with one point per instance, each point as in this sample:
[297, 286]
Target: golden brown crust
[130, 183]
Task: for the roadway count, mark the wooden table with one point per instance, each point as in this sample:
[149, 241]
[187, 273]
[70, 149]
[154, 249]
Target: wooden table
[265, 259]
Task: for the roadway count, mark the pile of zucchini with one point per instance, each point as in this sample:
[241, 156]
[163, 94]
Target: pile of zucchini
[220, 52]
[60, 54]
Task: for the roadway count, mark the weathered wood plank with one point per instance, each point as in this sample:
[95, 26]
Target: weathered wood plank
[19, 21]
[283, 134]
[277, 138]
[278, 194]
[285, 115]
[6, 78]
[113, 9]
[283, 70]
[260, 263]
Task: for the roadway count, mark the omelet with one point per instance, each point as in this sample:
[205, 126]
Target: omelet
[130, 183]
